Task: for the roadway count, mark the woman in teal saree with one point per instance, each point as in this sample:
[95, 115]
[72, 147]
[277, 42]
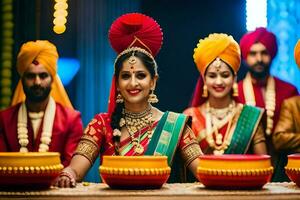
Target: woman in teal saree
[132, 126]
[221, 124]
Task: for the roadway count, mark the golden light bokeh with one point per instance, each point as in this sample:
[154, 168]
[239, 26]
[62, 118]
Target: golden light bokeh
[59, 29]
[60, 14]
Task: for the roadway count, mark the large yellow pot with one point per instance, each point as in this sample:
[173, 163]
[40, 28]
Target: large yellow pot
[234, 171]
[29, 170]
[135, 172]
[292, 169]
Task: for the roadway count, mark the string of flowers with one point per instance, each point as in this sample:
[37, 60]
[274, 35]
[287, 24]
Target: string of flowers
[6, 52]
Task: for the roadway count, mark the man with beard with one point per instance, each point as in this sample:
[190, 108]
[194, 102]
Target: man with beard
[260, 89]
[41, 117]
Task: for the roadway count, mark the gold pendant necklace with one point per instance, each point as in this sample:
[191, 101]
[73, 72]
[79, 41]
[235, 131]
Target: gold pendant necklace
[212, 125]
[135, 122]
[139, 149]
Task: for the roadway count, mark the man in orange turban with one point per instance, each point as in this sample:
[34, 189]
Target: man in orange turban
[217, 118]
[286, 136]
[260, 89]
[41, 117]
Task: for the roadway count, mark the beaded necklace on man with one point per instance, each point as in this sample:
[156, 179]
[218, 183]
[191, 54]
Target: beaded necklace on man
[136, 122]
[270, 99]
[46, 128]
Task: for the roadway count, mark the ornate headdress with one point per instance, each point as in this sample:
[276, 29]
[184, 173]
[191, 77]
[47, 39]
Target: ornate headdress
[217, 45]
[133, 32]
[213, 48]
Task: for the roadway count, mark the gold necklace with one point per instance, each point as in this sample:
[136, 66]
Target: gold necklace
[212, 126]
[135, 122]
[221, 113]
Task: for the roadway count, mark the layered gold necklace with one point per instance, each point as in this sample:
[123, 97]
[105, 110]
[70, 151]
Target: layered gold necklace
[215, 118]
[135, 122]
[270, 101]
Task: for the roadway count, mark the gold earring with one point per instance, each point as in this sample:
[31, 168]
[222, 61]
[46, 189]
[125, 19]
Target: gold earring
[119, 98]
[204, 93]
[235, 90]
[152, 97]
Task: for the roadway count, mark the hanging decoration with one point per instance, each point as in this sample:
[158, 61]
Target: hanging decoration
[60, 14]
[6, 52]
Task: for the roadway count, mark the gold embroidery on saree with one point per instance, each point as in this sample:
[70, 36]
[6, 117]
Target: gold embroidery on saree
[88, 148]
[191, 152]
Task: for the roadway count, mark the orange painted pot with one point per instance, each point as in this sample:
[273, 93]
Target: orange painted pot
[292, 169]
[30, 170]
[135, 172]
[234, 171]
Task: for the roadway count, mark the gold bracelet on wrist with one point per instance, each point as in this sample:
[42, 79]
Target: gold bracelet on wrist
[88, 148]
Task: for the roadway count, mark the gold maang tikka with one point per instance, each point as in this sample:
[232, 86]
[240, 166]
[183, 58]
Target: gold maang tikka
[132, 59]
[217, 63]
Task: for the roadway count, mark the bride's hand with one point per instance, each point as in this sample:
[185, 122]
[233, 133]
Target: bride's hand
[67, 178]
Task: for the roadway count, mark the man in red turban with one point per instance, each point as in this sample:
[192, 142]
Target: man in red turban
[260, 89]
[41, 117]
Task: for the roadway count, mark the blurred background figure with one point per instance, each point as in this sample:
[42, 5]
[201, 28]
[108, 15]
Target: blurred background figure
[221, 124]
[41, 117]
[286, 137]
[261, 89]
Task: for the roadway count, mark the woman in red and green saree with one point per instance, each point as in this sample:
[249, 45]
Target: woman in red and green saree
[220, 123]
[132, 126]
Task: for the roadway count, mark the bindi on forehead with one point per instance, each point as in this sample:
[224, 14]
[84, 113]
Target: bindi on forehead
[35, 62]
[36, 68]
[132, 69]
[132, 61]
[133, 64]
[217, 64]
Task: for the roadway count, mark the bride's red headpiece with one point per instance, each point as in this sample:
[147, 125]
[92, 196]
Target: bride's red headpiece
[133, 32]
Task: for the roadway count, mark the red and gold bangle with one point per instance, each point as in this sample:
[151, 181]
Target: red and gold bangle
[70, 176]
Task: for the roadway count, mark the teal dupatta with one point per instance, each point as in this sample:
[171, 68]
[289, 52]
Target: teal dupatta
[245, 129]
[166, 136]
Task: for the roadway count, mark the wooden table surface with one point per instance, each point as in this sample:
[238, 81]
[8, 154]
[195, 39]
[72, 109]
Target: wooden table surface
[168, 191]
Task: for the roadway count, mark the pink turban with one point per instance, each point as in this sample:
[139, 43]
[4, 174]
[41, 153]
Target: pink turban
[261, 35]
